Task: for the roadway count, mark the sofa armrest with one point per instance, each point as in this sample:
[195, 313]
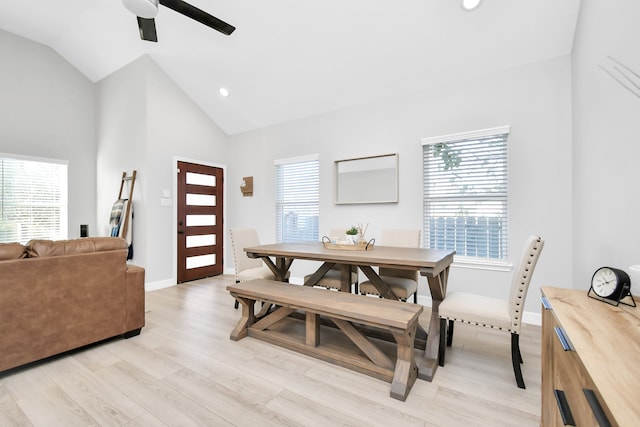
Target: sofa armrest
[135, 297]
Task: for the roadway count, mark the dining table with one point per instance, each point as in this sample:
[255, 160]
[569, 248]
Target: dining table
[433, 264]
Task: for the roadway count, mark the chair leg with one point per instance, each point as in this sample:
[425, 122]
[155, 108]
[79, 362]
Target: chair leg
[441, 348]
[415, 297]
[519, 352]
[235, 304]
[516, 359]
[450, 333]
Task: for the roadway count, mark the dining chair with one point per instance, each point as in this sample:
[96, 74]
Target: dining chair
[501, 314]
[333, 278]
[247, 268]
[403, 283]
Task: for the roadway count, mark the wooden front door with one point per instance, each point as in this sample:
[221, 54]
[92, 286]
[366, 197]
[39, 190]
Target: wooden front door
[200, 222]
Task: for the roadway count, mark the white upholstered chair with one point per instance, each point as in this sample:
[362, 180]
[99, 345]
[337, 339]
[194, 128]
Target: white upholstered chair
[332, 279]
[247, 268]
[496, 313]
[403, 283]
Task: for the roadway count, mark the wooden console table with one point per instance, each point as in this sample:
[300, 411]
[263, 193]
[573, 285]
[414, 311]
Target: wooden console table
[590, 357]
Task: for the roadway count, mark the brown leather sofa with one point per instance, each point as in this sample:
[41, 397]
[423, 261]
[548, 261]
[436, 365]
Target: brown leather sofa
[57, 296]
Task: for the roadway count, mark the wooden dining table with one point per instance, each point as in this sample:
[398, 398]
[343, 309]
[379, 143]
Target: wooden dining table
[431, 263]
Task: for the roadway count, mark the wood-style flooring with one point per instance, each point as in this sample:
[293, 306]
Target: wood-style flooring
[183, 370]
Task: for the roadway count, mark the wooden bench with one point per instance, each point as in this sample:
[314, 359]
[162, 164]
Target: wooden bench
[347, 312]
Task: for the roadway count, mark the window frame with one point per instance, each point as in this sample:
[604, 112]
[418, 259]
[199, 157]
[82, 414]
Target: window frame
[460, 260]
[62, 203]
[312, 202]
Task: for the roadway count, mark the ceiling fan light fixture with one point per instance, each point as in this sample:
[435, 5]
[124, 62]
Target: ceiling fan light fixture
[143, 8]
[470, 4]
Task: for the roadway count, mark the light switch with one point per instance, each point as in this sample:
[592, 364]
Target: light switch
[166, 194]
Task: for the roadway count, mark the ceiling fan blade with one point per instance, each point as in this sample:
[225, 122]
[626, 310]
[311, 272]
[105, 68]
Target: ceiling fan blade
[199, 15]
[147, 29]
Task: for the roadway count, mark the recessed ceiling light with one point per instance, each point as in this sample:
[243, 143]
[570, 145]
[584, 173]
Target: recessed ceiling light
[224, 92]
[470, 4]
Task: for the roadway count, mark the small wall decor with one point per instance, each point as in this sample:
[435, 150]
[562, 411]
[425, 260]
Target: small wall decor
[247, 186]
[367, 180]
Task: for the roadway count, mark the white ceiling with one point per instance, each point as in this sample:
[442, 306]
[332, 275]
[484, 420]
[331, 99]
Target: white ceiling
[290, 59]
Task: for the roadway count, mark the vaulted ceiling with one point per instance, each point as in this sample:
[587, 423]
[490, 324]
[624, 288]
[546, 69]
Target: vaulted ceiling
[290, 59]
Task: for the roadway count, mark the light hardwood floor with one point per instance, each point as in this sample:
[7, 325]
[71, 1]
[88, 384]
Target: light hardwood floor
[183, 370]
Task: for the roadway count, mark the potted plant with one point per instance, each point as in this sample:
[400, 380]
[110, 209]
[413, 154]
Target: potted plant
[358, 231]
[352, 233]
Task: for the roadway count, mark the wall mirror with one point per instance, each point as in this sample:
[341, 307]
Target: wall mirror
[371, 179]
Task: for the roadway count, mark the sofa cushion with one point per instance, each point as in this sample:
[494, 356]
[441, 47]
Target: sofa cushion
[12, 251]
[42, 248]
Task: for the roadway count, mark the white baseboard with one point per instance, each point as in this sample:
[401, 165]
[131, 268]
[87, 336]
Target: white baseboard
[531, 318]
[296, 280]
[161, 284]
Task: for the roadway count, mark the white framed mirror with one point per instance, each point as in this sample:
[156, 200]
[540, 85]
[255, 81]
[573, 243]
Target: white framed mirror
[372, 179]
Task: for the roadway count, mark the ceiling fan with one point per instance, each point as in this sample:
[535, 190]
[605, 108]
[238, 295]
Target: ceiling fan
[146, 10]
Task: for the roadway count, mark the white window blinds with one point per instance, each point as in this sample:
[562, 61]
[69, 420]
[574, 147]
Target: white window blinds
[33, 203]
[465, 193]
[297, 199]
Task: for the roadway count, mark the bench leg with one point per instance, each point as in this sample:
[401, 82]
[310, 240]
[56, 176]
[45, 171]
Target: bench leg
[406, 372]
[247, 319]
[312, 329]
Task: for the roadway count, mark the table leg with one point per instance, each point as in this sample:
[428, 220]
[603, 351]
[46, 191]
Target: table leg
[380, 285]
[345, 278]
[386, 292]
[282, 267]
[319, 274]
[279, 268]
[429, 362]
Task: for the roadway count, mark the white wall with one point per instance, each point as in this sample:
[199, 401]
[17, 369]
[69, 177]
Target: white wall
[606, 150]
[145, 121]
[177, 128]
[121, 138]
[47, 111]
[136, 118]
[572, 152]
[534, 100]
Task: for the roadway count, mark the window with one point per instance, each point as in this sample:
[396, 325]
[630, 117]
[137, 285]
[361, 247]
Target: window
[33, 202]
[465, 193]
[297, 199]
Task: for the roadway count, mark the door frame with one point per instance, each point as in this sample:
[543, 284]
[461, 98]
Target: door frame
[174, 227]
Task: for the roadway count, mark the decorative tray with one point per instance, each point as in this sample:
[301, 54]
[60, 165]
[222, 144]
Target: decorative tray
[359, 246]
